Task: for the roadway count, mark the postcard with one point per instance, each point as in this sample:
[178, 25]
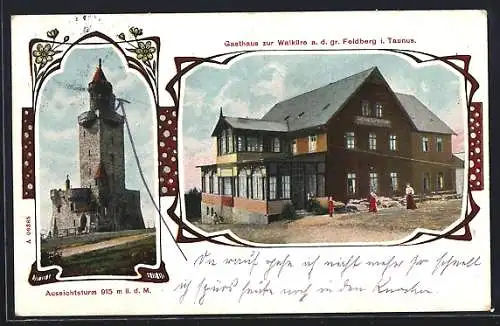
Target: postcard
[250, 163]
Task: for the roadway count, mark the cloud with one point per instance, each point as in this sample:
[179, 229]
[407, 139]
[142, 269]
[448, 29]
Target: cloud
[275, 85]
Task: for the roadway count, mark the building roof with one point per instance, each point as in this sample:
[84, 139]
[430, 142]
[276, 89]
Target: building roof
[255, 124]
[316, 107]
[99, 74]
[457, 161]
[423, 118]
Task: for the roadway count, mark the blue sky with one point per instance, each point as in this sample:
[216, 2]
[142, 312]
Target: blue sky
[64, 97]
[252, 85]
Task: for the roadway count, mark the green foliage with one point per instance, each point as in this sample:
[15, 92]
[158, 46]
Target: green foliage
[288, 212]
[317, 209]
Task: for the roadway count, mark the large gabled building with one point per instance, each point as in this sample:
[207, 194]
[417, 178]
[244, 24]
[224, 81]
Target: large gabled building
[345, 139]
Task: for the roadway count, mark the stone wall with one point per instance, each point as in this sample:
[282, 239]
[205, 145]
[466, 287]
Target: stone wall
[236, 211]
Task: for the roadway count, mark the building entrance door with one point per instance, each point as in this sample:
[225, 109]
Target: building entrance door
[298, 189]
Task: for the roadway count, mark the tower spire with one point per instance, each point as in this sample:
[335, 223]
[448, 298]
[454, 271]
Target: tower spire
[100, 63]
[221, 114]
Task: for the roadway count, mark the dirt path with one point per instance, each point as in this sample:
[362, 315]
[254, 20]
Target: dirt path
[103, 244]
[386, 225]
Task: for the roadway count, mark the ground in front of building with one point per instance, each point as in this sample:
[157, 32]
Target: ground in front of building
[106, 253]
[388, 224]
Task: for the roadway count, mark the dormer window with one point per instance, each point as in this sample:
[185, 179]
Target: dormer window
[312, 143]
[378, 110]
[276, 145]
[365, 108]
[294, 146]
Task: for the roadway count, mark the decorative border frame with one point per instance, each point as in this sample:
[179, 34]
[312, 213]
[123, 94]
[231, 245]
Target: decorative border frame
[46, 55]
[167, 144]
[460, 63]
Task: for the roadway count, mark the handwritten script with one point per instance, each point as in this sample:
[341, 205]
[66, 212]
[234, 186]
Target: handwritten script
[254, 275]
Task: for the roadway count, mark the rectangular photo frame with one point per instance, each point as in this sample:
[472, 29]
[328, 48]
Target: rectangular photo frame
[278, 168]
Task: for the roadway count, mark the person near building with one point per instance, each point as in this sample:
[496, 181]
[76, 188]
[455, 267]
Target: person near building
[331, 206]
[410, 201]
[373, 202]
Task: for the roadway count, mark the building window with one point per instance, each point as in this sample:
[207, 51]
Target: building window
[242, 184]
[241, 143]
[112, 140]
[285, 187]
[373, 182]
[59, 209]
[90, 171]
[112, 159]
[229, 141]
[254, 144]
[272, 187]
[427, 182]
[351, 183]
[349, 140]
[393, 143]
[372, 141]
[321, 185]
[207, 183]
[312, 143]
[440, 181]
[311, 185]
[84, 133]
[275, 145]
[425, 144]
[365, 108]
[215, 184]
[378, 110]
[294, 146]
[227, 186]
[394, 181]
[223, 142]
[89, 152]
[257, 185]
[439, 144]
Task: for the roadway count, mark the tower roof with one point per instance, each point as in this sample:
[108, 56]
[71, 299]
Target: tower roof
[101, 172]
[99, 74]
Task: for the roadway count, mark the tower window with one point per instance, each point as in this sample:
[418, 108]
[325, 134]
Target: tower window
[59, 209]
[112, 140]
[90, 171]
[112, 159]
[84, 133]
[89, 152]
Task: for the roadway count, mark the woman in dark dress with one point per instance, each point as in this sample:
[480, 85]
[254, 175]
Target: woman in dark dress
[410, 202]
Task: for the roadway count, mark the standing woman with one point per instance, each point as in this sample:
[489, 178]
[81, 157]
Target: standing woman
[410, 202]
[373, 202]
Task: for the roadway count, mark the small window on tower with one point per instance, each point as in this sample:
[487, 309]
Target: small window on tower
[84, 133]
[89, 152]
[112, 140]
[112, 159]
[90, 171]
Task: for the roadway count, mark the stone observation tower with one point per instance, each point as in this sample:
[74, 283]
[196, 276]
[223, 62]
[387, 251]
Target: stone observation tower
[102, 203]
